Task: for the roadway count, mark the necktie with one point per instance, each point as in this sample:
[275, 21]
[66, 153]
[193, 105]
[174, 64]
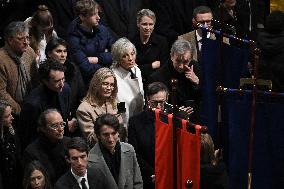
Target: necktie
[132, 75]
[83, 183]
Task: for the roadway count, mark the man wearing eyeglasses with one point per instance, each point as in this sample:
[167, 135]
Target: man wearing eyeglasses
[183, 68]
[201, 15]
[49, 147]
[141, 131]
[17, 65]
[53, 92]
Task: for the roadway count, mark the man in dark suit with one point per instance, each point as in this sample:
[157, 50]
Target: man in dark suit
[50, 145]
[141, 131]
[79, 176]
[52, 93]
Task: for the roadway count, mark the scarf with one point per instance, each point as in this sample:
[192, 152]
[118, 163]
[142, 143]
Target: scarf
[23, 84]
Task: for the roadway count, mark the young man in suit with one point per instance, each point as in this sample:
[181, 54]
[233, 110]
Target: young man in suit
[117, 159]
[201, 15]
[79, 176]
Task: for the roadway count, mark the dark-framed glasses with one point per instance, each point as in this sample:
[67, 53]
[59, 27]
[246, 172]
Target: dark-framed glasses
[155, 103]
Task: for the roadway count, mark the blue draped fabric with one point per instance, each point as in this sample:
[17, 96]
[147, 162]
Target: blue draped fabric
[234, 67]
[268, 152]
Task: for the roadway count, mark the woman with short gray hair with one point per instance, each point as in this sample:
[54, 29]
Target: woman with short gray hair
[129, 79]
[152, 49]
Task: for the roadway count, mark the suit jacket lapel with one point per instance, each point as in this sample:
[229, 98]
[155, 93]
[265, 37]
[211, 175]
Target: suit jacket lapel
[123, 167]
[97, 157]
[72, 181]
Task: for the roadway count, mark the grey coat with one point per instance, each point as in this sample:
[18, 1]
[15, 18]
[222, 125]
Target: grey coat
[129, 174]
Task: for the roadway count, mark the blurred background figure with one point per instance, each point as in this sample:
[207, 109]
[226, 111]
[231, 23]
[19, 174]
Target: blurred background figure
[129, 78]
[152, 49]
[41, 30]
[10, 167]
[213, 174]
[36, 177]
[101, 98]
[271, 44]
[120, 16]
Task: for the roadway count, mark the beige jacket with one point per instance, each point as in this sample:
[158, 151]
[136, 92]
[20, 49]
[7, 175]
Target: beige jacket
[87, 114]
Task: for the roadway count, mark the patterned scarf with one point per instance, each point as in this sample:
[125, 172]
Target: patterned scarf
[24, 80]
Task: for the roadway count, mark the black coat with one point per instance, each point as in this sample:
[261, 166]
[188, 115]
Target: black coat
[96, 180]
[271, 60]
[10, 166]
[40, 99]
[77, 86]
[141, 135]
[213, 177]
[122, 24]
[50, 155]
[186, 90]
[155, 50]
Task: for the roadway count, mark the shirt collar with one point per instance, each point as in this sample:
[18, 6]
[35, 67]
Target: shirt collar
[198, 37]
[78, 178]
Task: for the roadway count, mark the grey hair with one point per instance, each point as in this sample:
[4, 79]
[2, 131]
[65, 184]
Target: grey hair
[15, 28]
[42, 117]
[180, 46]
[119, 48]
[146, 12]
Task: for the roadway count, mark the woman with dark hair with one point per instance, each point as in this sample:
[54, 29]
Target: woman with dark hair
[10, 168]
[56, 49]
[35, 177]
[41, 30]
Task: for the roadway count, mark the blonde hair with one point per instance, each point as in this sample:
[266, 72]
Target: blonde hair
[95, 88]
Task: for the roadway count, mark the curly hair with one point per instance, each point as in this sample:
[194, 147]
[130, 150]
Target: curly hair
[119, 49]
[95, 88]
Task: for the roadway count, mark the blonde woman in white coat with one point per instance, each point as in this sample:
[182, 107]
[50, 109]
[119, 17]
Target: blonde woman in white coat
[129, 79]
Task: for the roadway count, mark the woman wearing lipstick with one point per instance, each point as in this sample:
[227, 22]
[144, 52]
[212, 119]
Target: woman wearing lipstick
[129, 79]
[152, 49]
[100, 99]
[35, 177]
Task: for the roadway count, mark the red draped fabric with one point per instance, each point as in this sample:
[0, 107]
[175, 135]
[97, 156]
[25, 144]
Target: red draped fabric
[163, 153]
[188, 155]
[188, 147]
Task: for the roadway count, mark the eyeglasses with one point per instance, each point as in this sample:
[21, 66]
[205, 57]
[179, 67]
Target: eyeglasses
[106, 85]
[23, 39]
[157, 102]
[56, 126]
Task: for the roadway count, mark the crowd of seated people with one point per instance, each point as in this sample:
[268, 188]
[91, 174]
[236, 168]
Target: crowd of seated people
[74, 106]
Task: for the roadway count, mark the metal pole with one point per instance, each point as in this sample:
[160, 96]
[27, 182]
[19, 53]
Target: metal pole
[175, 110]
[253, 114]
